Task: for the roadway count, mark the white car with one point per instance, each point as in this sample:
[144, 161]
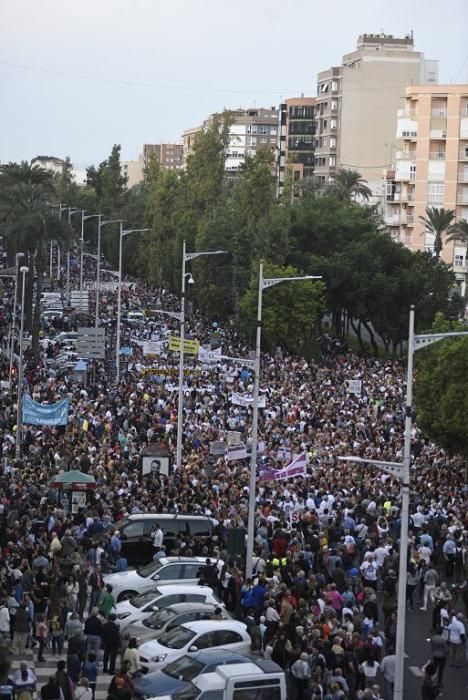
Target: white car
[126, 584]
[142, 606]
[194, 636]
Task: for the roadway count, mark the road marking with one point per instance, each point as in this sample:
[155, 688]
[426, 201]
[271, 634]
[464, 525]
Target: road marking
[417, 671]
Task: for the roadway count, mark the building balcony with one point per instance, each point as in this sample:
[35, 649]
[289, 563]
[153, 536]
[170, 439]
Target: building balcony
[463, 177]
[462, 198]
[400, 219]
[436, 155]
[406, 113]
[463, 154]
[439, 113]
[405, 155]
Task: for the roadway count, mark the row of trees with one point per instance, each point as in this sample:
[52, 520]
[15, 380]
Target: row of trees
[368, 279]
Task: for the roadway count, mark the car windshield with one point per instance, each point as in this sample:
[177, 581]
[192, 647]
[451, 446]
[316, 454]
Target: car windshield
[184, 669]
[139, 601]
[149, 569]
[157, 620]
[177, 638]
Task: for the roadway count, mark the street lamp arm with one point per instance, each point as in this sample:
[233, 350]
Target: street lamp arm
[112, 221]
[393, 468]
[174, 314]
[270, 282]
[191, 256]
[422, 341]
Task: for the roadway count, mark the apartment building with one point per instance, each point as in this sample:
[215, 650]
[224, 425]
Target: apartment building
[357, 103]
[431, 168]
[133, 170]
[296, 140]
[250, 130]
[168, 155]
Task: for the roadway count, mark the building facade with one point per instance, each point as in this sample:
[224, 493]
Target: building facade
[250, 130]
[431, 168]
[168, 155]
[133, 170]
[296, 140]
[357, 103]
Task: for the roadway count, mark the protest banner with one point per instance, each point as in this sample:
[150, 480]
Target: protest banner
[44, 414]
[245, 401]
[191, 347]
[298, 467]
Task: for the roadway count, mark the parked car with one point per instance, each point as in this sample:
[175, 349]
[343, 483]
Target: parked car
[175, 676]
[165, 619]
[185, 570]
[134, 318]
[50, 314]
[136, 533]
[194, 636]
[141, 606]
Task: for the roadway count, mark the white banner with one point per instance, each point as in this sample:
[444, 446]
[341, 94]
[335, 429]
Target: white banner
[298, 467]
[242, 400]
[354, 386]
[209, 356]
[234, 452]
[152, 348]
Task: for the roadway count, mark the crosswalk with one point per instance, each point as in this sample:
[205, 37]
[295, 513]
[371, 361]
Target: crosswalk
[44, 670]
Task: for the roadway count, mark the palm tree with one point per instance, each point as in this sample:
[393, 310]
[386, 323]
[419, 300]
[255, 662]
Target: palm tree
[459, 231]
[438, 222]
[347, 184]
[28, 223]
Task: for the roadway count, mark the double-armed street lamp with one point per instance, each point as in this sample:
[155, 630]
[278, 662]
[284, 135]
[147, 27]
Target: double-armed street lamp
[13, 320]
[123, 232]
[402, 471]
[19, 401]
[185, 276]
[263, 283]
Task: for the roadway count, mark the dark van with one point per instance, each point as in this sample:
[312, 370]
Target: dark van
[136, 533]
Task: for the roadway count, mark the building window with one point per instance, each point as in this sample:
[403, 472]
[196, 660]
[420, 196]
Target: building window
[263, 129]
[459, 260]
[435, 192]
[251, 128]
[252, 141]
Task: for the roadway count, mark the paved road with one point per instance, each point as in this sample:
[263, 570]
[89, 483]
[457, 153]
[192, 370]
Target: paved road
[418, 630]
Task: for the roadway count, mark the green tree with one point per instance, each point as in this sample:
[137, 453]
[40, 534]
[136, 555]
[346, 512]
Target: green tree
[290, 309]
[29, 223]
[348, 185]
[438, 222]
[459, 231]
[441, 390]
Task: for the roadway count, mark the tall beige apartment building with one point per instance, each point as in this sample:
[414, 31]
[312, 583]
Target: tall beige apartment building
[431, 168]
[168, 155]
[357, 103]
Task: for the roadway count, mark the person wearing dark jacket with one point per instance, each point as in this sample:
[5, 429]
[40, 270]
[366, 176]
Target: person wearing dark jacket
[92, 630]
[51, 690]
[63, 681]
[110, 636]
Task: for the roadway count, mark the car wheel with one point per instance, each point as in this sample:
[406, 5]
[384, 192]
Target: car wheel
[125, 595]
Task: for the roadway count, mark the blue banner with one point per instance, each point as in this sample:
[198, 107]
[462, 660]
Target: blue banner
[44, 414]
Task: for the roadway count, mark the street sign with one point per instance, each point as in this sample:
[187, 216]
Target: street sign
[79, 300]
[91, 343]
[354, 386]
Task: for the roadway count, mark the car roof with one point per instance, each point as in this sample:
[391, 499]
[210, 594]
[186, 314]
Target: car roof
[165, 516]
[210, 656]
[169, 588]
[210, 625]
[187, 560]
[181, 608]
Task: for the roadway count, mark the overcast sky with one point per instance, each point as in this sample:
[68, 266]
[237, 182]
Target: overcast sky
[77, 76]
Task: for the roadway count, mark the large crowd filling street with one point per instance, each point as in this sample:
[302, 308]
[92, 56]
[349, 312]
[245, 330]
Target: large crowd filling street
[322, 599]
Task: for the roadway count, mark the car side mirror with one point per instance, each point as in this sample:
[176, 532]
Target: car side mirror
[156, 577]
[193, 648]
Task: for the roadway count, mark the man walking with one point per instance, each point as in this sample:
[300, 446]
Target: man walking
[110, 635]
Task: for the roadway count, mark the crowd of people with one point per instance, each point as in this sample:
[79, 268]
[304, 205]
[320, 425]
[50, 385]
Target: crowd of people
[323, 596]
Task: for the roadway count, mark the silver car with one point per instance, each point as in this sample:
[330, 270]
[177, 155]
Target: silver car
[165, 619]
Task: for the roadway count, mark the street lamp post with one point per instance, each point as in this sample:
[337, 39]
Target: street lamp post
[185, 258]
[71, 211]
[122, 234]
[13, 321]
[262, 284]
[83, 219]
[19, 401]
[402, 471]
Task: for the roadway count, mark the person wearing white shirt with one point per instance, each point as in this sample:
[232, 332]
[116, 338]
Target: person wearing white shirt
[157, 537]
[425, 553]
[457, 641]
